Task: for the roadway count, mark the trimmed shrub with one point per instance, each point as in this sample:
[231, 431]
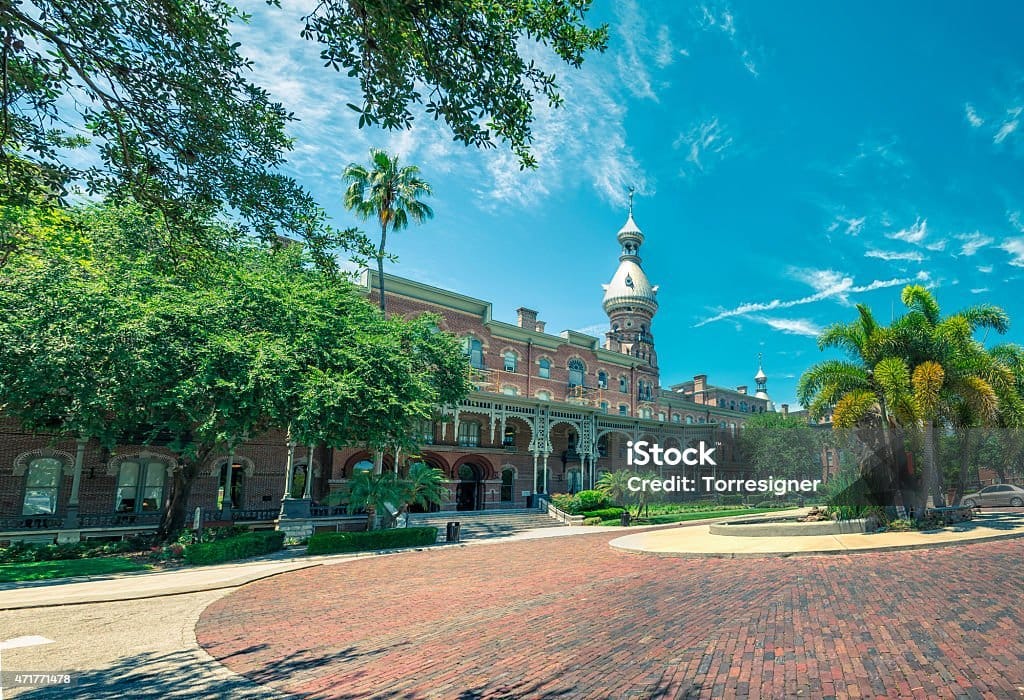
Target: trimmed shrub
[341, 542]
[592, 521]
[732, 499]
[767, 504]
[592, 500]
[566, 502]
[239, 547]
[604, 513]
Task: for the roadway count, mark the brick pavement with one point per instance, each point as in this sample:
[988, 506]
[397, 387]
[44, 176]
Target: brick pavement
[572, 618]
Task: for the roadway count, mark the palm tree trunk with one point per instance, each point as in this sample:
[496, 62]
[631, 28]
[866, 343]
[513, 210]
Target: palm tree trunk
[930, 481]
[965, 453]
[380, 268]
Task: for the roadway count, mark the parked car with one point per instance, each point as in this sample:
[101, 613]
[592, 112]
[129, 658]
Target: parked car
[995, 495]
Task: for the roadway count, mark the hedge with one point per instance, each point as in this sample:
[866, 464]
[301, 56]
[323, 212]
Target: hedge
[340, 542]
[248, 545]
[605, 513]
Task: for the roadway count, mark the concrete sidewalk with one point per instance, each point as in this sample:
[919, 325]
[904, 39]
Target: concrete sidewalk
[700, 542]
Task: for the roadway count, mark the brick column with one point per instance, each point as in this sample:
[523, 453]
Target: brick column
[71, 514]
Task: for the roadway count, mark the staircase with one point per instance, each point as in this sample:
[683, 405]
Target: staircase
[484, 524]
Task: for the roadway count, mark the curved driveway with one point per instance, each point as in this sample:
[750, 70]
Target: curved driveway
[567, 618]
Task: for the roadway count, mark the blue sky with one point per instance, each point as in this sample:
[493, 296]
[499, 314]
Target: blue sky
[791, 159]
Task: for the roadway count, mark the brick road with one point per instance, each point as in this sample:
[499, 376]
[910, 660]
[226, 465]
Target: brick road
[572, 618]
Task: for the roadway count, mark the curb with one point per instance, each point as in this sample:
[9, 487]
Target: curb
[815, 553]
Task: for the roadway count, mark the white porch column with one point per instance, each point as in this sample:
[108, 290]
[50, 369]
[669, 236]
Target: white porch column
[289, 469]
[308, 490]
[546, 455]
[536, 474]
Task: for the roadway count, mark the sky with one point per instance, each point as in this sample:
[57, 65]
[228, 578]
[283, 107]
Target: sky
[791, 160]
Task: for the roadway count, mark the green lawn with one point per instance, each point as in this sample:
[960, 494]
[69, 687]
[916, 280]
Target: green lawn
[698, 515]
[40, 570]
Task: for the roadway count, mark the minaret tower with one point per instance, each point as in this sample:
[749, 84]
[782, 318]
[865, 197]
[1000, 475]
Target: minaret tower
[630, 302]
[761, 382]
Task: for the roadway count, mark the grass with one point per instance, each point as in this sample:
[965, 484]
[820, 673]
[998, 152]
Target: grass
[693, 515]
[42, 570]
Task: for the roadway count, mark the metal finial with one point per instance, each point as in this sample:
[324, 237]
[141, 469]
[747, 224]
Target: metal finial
[631, 191]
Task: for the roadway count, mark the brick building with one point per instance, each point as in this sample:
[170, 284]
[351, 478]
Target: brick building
[550, 414]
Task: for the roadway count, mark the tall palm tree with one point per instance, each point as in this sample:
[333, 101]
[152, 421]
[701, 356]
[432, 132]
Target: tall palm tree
[390, 193]
[425, 486]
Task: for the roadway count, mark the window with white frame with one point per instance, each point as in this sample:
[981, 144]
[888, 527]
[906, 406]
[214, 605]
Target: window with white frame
[469, 434]
[475, 352]
[602, 380]
[544, 395]
[511, 361]
[576, 372]
[42, 486]
[623, 385]
[140, 486]
[623, 409]
[544, 369]
[510, 390]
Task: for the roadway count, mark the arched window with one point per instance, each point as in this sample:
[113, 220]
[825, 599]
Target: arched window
[510, 390]
[576, 371]
[623, 409]
[509, 439]
[475, 353]
[743, 406]
[469, 434]
[42, 484]
[602, 379]
[140, 486]
[661, 417]
[604, 407]
[364, 465]
[623, 385]
[511, 361]
[602, 446]
[508, 476]
[544, 369]
[675, 417]
[544, 395]
[689, 420]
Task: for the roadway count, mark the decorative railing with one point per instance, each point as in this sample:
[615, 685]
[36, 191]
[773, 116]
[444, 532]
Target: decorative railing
[328, 511]
[149, 519]
[241, 514]
[560, 515]
[31, 522]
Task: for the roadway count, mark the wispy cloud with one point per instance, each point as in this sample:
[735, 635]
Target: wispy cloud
[1008, 126]
[890, 255]
[915, 233]
[853, 226]
[665, 52]
[972, 116]
[721, 20]
[828, 284]
[973, 242]
[630, 61]
[1015, 247]
[985, 269]
[702, 144]
[791, 326]
[980, 290]
[595, 329]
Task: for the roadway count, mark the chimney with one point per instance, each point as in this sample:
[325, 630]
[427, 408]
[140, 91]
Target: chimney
[700, 382]
[540, 326]
[742, 389]
[527, 318]
[785, 409]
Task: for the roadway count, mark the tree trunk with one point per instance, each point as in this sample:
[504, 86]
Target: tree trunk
[183, 478]
[931, 480]
[965, 455]
[380, 268]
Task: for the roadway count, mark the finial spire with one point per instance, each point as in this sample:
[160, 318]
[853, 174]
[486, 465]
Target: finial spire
[631, 191]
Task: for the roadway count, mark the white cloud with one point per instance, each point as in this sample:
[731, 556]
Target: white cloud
[1008, 126]
[973, 242]
[985, 269]
[972, 116]
[914, 234]
[703, 143]
[980, 290]
[893, 255]
[1015, 219]
[1015, 247]
[665, 53]
[720, 19]
[791, 326]
[828, 284]
[595, 329]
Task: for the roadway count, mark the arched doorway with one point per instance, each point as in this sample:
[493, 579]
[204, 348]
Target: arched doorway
[469, 490]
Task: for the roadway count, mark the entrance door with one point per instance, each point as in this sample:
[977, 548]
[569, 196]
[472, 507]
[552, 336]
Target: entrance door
[467, 492]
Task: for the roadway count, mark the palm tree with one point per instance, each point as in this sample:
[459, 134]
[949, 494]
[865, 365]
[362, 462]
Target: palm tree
[374, 493]
[614, 485]
[391, 194]
[425, 486]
